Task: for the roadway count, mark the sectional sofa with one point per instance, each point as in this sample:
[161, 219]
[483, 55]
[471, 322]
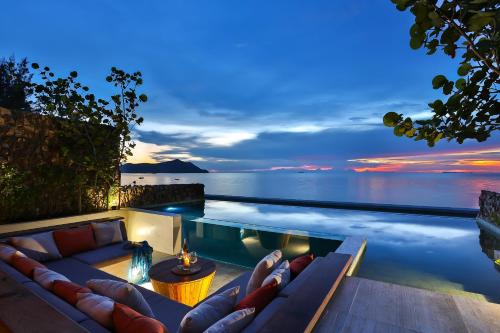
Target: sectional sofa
[296, 308]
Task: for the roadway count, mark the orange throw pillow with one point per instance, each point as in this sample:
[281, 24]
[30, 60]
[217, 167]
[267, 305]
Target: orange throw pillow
[25, 265]
[259, 298]
[75, 240]
[127, 320]
[299, 264]
[68, 290]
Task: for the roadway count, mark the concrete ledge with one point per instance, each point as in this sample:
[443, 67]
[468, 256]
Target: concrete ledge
[407, 209]
[354, 246]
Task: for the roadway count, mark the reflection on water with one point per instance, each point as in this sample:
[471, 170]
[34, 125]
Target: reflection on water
[490, 246]
[433, 252]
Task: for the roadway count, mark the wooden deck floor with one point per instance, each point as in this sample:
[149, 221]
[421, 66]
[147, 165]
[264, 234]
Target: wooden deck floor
[362, 305]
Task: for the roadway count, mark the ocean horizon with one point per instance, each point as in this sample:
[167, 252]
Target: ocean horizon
[457, 190]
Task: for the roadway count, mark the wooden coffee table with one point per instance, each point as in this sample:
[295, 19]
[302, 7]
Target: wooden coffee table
[186, 289]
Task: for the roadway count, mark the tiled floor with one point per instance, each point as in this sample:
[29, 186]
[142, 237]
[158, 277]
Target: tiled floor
[224, 273]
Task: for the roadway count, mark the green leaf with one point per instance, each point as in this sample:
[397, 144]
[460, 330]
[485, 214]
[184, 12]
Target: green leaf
[448, 87]
[460, 83]
[73, 74]
[438, 81]
[464, 69]
[399, 130]
[391, 119]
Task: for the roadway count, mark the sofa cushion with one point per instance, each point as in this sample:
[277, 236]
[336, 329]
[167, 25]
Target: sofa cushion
[241, 281]
[169, 312]
[299, 264]
[263, 269]
[57, 303]
[40, 246]
[78, 272]
[259, 298]
[46, 277]
[97, 307]
[259, 322]
[209, 311]
[13, 273]
[126, 320]
[104, 253]
[233, 322]
[93, 326]
[25, 265]
[68, 290]
[121, 292]
[302, 279]
[281, 274]
[7, 251]
[107, 232]
[75, 240]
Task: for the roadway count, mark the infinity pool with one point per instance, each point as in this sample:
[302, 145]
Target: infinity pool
[447, 254]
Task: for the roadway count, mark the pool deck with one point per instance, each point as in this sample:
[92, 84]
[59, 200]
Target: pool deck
[363, 305]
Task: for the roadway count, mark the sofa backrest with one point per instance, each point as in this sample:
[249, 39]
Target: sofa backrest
[66, 226]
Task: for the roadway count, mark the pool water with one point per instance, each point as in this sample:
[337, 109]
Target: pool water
[447, 254]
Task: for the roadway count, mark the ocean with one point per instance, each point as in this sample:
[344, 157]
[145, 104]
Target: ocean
[458, 190]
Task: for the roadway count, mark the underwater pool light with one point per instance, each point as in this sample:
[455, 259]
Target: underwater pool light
[173, 209]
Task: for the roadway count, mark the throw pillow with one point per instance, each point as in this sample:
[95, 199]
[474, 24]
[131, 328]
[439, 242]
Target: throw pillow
[97, 307]
[121, 292]
[75, 240]
[68, 290]
[40, 247]
[263, 269]
[280, 274]
[209, 312]
[259, 298]
[25, 265]
[299, 264]
[7, 252]
[126, 320]
[45, 277]
[107, 232]
[234, 322]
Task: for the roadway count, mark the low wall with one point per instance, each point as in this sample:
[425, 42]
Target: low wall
[149, 195]
[489, 207]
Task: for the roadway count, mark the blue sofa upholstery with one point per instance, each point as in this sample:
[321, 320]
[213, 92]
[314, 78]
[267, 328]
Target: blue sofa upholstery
[104, 253]
[77, 271]
[267, 314]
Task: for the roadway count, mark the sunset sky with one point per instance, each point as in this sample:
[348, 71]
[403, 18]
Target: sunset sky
[254, 85]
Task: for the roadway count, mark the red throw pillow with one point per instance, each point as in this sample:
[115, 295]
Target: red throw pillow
[25, 265]
[68, 290]
[299, 264]
[74, 240]
[259, 298]
[127, 320]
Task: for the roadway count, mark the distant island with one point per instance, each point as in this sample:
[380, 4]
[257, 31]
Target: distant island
[175, 166]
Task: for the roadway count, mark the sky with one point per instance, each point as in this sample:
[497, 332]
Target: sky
[254, 85]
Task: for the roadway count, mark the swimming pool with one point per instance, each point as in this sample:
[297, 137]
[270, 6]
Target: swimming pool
[448, 254]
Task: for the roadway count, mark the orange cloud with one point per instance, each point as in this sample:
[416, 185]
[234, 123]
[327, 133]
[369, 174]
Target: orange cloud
[485, 160]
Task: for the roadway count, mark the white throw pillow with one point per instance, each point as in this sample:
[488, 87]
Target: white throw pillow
[97, 307]
[234, 322]
[7, 252]
[280, 274]
[263, 269]
[209, 312]
[107, 232]
[40, 247]
[122, 292]
[45, 277]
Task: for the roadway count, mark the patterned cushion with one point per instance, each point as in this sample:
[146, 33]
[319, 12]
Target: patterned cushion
[97, 307]
[121, 292]
[280, 274]
[263, 269]
[209, 312]
[40, 247]
[45, 277]
[234, 322]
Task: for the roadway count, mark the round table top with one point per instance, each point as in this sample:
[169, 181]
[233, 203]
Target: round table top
[162, 271]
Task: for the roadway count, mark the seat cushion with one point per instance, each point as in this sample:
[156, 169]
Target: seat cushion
[25, 265]
[13, 273]
[93, 327]
[57, 303]
[78, 272]
[267, 314]
[302, 278]
[169, 312]
[104, 253]
[126, 320]
[75, 240]
[240, 281]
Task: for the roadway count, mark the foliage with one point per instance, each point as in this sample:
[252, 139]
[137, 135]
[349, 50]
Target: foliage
[15, 81]
[459, 28]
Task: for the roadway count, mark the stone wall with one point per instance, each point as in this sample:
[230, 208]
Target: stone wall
[148, 195]
[489, 207]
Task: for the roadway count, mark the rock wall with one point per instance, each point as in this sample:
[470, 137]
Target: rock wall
[489, 207]
[148, 195]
